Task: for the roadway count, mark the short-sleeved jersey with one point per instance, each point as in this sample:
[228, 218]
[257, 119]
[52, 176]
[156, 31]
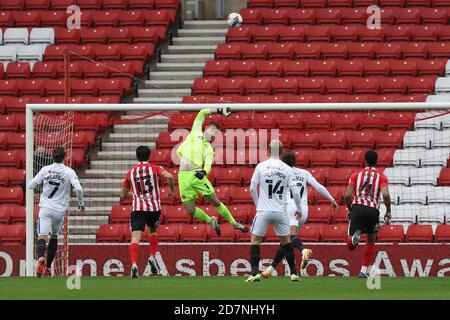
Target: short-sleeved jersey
[143, 180]
[275, 180]
[367, 184]
[56, 180]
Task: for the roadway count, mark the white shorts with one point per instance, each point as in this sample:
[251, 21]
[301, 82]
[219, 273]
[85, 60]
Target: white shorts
[279, 221]
[292, 210]
[49, 222]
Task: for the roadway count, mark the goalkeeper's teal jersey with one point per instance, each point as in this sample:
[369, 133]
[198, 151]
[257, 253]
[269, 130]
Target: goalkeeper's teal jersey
[195, 148]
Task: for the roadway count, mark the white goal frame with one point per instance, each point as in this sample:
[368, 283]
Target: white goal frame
[31, 108]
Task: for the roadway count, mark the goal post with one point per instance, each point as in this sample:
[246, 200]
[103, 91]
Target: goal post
[31, 109]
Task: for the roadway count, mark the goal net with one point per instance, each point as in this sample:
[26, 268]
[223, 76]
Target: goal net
[412, 141]
[52, 130]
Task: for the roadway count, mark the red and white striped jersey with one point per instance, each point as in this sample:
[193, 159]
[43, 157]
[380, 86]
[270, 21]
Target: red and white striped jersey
[143, 180]
[368, 183]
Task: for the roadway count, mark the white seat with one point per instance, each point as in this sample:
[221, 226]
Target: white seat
[442, 85]
[418, 139]
[446, 121]
[42, 35]
[8, 54]
[441, 139]
[16, 35]
[415, 194]
[404, 213]
[407, 157]
[426, 175]
[434, 157]
[428, 120]
[398, 175]
[30, 53]
[432, 214]
[438, 98]
[439, 195]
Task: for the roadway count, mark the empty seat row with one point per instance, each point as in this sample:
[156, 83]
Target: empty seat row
[12, 234]
[78, 87]
[319, 138]
[419, 194]
[10, 214]
[110, 35]
[11, 53]
[353, 33]
[310, 98]
[11, 177]
[307, 120]
[426, 139]
[22, 36]
[16, 159]
[433, 120]
[320, 85]
[89, 18]
[88, 4]
[311, 232]
[328, 50]
[305, 158]
[101, 52]
[409, 175]
[419, 157]
[416, 213]
[415, 15]
[77, 69]
[343, 3]
[333, 67]
[12, 140]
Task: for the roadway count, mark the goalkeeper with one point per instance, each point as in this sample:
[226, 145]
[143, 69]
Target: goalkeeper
[196, 158]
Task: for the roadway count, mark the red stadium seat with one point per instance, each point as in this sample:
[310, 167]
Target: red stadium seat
[385, 157]
[345, 33]
[240, 195]
[340, 216]
[387, 50]
[424, 85]
[391, 139]
[9, 123]
[393, 86]
[328, 16]
[54, 18]
[131, 18]
[120, 214]
[27, 19]
[333, 139]
[228, 234]
[241, 34]
[141, 4]
[231, 86]
[110, 233]
[309, 232]
[169, 233]
[320, 158]
[242, 68]
[438, 50]
[90, 4]
[16, 140]
[18, 214]
[391, 233]
[89, 35]
[228, 51]
[339, 86]
[286, 4]
[291, 33]
[361, 50]
[176, 214]
[260, 3]
[442, 233]
[366, 86]
[425, 33]
[434, 15]
[313, 3]
[205, 86]
[137, 52]
[269, 68]
[12, 5]
[115, 4]
[157, 18]
[275, 16]
[18, 70]
[251, 16]
[5, 215]
[302, 16]
[280, 51]
[108, 52]
[444, 177]
[311, 85]
[9, 87]
[231, 175]
[4, 174]
[353, 158]
[11, 195]
[313, 33]
[194, 232]
[44, 70]
[12, 234]
[334, 233]
[161, 157]
[11, 158]
[35, 87]
[168, 140]
[258, 86]
[430, 67]
[319, 214]
[340, 176]
[419, 233]
[240, 212]
[83, 87]
[254, 51]
[306, 140]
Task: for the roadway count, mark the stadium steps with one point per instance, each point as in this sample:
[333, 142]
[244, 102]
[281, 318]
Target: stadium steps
[184, 60]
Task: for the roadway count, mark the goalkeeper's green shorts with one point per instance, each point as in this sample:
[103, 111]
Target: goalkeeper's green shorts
[190, 186]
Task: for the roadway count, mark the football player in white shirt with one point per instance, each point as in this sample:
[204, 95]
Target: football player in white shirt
[303, 178]
[56, 180]
[275, 180]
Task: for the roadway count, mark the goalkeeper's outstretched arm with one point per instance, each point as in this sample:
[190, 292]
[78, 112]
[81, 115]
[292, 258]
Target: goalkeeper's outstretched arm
[200, 118]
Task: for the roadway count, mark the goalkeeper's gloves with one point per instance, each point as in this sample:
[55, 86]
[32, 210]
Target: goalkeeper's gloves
[225, 111]
[199, 174]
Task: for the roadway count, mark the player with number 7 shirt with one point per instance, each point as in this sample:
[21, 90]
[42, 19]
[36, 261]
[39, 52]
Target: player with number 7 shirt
[143, 180]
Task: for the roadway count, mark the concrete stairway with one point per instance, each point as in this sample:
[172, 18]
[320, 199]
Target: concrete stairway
[183, 62]
[102, 182]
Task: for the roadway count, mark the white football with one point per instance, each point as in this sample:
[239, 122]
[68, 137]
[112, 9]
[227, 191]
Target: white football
[234, 19]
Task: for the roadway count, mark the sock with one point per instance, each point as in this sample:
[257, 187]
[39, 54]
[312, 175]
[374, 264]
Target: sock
[290, 258]
[254, 258]
[153, 244]
[279, 255]
[224, 212]
[297, 243]
[41, 248]
[133, 253]
[368, 255]
[201, 215]
[350, 245]
[51, 251]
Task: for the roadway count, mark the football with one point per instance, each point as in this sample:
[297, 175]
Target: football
[234, 19]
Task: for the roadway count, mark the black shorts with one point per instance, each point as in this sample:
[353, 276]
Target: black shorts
[139, 219]
[364, 218]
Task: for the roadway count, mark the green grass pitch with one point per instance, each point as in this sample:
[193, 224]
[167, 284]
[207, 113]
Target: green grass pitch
[223, 288]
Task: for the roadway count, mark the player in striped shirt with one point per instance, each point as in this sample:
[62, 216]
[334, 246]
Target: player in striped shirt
[143, 181]
[367, 185]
